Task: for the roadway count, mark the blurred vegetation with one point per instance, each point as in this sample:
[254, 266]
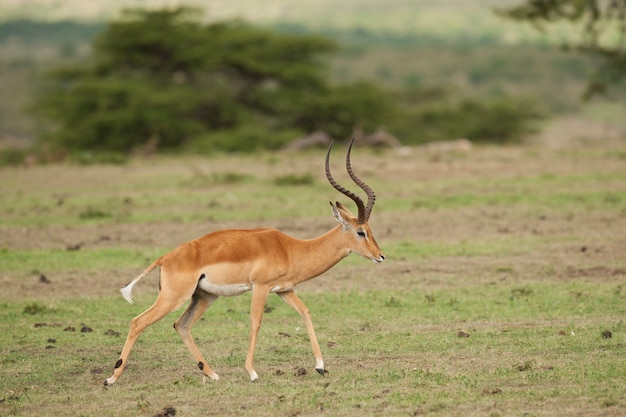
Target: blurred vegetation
[602, 25]
[116, 93]
[64, 33]
[162, 79]
[12, 156]
[437, 113]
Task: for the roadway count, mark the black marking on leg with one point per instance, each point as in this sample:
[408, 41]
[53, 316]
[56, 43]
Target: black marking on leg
[201, 366]
[202, 277]
[321, 371]
[118, 363]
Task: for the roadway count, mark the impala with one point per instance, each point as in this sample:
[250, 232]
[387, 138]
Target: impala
[231, 262]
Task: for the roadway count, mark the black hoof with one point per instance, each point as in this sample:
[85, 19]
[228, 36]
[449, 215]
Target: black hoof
[106, 383]
[321, 371]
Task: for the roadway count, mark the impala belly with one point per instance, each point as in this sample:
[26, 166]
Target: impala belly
[224, 279]
[226, 290]
[229, 290]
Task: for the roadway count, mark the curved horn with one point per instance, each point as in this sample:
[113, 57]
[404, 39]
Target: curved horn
[357, 200]
[371, 197]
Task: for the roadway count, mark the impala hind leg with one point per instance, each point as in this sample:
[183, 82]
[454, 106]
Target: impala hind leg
[163, 305]
[200, 302]
[297, 304]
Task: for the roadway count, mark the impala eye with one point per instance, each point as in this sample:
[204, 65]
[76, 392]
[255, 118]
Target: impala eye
[361, 233]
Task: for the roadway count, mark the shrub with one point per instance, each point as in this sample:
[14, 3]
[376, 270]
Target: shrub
[12, 157]
[437, 115]
[163, 77]
[247, 138]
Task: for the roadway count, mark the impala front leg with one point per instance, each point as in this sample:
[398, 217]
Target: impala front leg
[259, 296]
[297, 304]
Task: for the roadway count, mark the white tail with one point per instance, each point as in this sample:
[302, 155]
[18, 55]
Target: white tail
[128, 288]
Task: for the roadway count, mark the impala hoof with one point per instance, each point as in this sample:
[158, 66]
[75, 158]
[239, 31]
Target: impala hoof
[321, 371]
[214, 377]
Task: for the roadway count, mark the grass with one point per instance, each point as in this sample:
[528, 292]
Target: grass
[222, 197]
[502, 292]
[520, 350]
[33, 261]
[149, 198]
[53, 260]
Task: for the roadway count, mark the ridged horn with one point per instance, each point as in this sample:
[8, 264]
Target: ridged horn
[364, 211]
[371, 197]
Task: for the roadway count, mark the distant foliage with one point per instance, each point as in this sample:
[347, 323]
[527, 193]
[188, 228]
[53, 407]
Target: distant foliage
[435, 114]
[61, 32]
[602, 25]
[162, 79]
[159, 80]
[12, 157]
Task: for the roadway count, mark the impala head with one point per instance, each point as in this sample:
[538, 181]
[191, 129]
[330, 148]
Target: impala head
[360, 237]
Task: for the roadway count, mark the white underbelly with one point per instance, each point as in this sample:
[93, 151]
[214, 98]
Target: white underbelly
[225, 290]
[230, 290]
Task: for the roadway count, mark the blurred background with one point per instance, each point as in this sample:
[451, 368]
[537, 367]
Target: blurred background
[103, 80]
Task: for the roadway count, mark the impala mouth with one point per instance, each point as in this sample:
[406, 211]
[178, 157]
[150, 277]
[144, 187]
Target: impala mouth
[379, 259]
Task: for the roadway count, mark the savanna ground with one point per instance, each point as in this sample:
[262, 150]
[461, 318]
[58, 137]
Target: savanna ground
[503, 292]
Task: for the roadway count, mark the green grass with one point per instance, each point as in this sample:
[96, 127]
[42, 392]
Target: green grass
[223, 197]
[383, 356]
[549, 191]
[20, 261]
[492, 247]
[573, 201]
[190, 196]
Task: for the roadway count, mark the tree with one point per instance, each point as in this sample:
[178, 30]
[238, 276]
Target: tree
[164, 78]
[603, 33]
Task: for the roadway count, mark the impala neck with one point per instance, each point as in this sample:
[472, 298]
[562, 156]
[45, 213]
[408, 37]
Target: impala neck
[322, 253]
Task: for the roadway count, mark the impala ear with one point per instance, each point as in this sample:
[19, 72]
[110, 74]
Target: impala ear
[341, 214]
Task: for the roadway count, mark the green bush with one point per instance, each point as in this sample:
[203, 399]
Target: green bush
[434, 114]
[247, 138]
[12, 157]
[165, 79]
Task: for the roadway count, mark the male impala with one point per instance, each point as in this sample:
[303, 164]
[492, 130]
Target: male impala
[231, 262]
